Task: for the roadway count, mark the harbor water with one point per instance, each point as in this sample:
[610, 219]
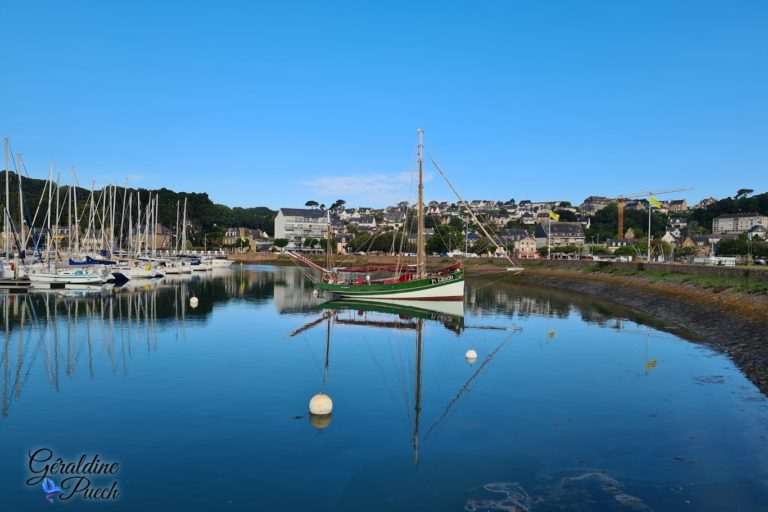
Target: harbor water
[571, 403]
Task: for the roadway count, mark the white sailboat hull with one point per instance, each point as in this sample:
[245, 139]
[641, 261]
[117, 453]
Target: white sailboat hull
[142, 273]
[452, 290]
[55, 278]
[221, 263]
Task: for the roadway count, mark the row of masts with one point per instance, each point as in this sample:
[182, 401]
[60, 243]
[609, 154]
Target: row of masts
[136, 234]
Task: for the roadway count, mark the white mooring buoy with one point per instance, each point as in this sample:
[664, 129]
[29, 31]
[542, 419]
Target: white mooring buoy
[321, 405]
[193, 302]
[471, 356]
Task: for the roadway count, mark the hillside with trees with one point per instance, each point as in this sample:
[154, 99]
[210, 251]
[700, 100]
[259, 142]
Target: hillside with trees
[605, 223]
[742, 202]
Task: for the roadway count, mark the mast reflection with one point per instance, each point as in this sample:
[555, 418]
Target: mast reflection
[407, 316]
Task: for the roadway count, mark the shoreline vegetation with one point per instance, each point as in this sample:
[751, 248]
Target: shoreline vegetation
[725, 307]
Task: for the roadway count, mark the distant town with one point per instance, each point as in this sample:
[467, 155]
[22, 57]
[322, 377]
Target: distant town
[725, 231]
[600, 227]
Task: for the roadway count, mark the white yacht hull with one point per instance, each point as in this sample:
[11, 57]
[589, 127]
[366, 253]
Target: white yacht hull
[67, 278]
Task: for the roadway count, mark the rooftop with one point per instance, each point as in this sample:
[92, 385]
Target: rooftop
[302, 212]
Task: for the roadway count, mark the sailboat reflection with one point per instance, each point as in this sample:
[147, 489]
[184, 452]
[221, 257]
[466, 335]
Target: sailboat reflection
[402, 315]
[449, 313]
[57, 331]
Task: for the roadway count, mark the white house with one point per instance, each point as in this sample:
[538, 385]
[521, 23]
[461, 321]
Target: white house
[297, 224]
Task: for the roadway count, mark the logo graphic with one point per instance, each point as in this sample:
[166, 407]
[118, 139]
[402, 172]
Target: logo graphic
[50, 489]
[88, 477]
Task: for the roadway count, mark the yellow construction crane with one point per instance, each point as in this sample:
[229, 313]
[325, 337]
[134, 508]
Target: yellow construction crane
[622, 199]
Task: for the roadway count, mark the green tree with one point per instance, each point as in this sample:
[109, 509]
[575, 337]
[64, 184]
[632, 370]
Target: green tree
[244, 243]
[310, 242]
[446, 239]
[360, 242]
[431, 221]
[281, 242]
[692, 228]
[735, 247]
[606, 220]
[456, 223]
[324, 243]
[626, 250]
[483, 246]
[338, 205]
[567, 216]
[659, 246]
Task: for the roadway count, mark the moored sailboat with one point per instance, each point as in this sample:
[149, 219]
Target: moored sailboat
[406, 282]
[67, 276]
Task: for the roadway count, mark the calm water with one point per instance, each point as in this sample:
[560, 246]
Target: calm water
[571, 404]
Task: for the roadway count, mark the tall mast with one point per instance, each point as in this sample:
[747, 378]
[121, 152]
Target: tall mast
[112, 223]
[101, 232]
[6, 208]
[22, 240]
[137, 240]
[48, 223]
[328, 249]
[69, 219]
[91, 217]
[176, 241]
[147, 219]
[74, 210]
[157, 214]
[58, 212]
[122, 219]
[130, 223]
[421, 253]
[184, 229]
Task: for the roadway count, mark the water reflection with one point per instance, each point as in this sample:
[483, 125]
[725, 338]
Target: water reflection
[409, 316]
[589, 407]
[65, 330]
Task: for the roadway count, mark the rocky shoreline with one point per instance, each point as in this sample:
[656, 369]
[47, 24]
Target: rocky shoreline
[734, 323]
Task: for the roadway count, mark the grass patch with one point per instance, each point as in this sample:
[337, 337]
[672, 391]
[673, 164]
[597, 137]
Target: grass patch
[744, 283]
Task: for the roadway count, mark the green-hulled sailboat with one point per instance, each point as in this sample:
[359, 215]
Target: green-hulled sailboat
[405, 282]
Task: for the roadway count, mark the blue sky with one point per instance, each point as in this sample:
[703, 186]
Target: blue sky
[277, 103]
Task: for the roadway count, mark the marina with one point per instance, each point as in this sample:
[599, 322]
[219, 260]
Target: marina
[59, 248]
[384, 256]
